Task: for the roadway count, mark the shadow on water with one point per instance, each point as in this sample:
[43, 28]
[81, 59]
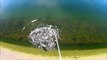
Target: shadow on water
[82, 46]
[25, 43]
[62, 46]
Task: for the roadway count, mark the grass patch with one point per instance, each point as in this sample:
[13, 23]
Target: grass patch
[66, 49]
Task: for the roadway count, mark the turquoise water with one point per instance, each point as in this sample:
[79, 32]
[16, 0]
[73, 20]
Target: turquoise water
[77, 19]
[56, 9]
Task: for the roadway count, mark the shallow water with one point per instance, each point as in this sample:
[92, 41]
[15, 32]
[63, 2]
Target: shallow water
[77, 19]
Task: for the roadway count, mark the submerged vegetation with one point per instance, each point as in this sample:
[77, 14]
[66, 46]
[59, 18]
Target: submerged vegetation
[70, 31]
[78, 21]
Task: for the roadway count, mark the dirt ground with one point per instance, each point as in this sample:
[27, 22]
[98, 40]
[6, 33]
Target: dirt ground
[7, 54]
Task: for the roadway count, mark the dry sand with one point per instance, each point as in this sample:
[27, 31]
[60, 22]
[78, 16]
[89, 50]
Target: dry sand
[7, 54]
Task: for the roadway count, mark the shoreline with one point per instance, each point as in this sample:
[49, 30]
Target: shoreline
[8, 54]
